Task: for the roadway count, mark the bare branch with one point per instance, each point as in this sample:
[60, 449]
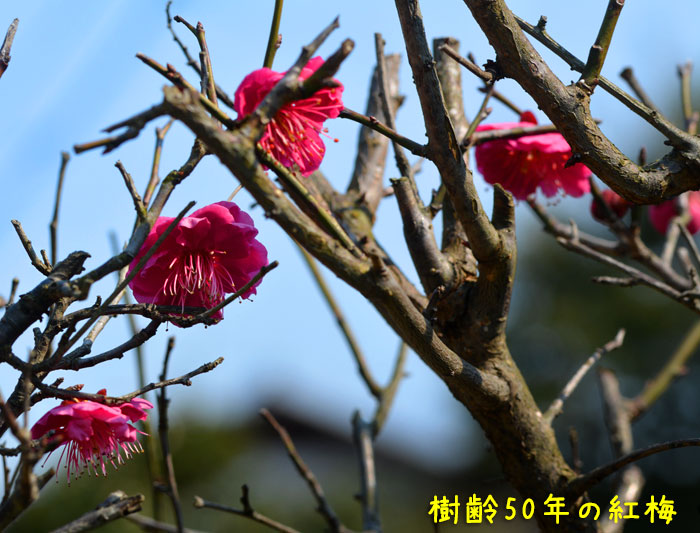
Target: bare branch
[323, 506]
[247, 512]
[171, 74]
[587, 481]
[133, 126]
[442, 142]
[471, 67]
[135, 197]
[7, 46]
[149, 524]
[117, 505]
[186, 380]
[27, 244]
[372, 146]
[672, 369]
[374, 124]
[163, 402]
[627, 74]
[220, 93]
[363, 435]
[53, 226]
[389, 392]
[354, 346]
[619, 426]
[556, 408]
[273, 41]
[685, 72]
[596, 56]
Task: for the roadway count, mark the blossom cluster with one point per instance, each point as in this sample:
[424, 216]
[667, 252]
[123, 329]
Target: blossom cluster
[92, 433]
[543, 161]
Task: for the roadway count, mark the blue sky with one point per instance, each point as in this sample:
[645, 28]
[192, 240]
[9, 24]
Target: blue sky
[73, 72]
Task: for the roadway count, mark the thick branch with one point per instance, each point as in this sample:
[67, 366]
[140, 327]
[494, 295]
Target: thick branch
[372, 146]
[568, 109]
[443, 145]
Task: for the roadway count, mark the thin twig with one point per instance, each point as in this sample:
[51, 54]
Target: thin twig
[240, 292]
[171, 74]
[325, 219]
[163, 402]
[247, 512]
[27, 244]
[7, 46]
[363, 436]
[186, 380]
[13, 292]
[220, 93]
[135, 197]
[470, 66]
[576, 462]
[371, 122]
[134, 271]
[116, 506]
[556, 408]
[389, 392]
[684, 73]
[617, 420]
[149, 524]
[374, 388]
[206, 72]
[273, 41]
[324, 507]
[153, 182]
[587, 481]
[53, 226]
[505, 101]
[596, 56]
[133, 126]
[652, 116]
[672, 369]
[627, 74]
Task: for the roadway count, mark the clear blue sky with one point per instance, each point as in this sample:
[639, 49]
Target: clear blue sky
[73, 72]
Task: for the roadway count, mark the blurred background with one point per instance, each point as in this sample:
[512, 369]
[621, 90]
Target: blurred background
[73, 73]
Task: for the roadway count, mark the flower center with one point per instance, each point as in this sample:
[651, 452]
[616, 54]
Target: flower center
[198, 276]
[288, 129]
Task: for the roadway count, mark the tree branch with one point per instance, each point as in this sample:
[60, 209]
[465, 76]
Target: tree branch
[7, 46]
[117, 505]
[556, 408]
[587, 481]
[323, 506]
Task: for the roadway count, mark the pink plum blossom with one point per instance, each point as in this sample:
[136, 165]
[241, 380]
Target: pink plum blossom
[208, 254]
[93, 432]
[615, 202]
[293, 136]
[523, 164]
[662, 214]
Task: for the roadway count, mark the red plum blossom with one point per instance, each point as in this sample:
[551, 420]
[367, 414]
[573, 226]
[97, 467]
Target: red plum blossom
[662, 214]
[208, 254]
[293, 135]
[523, 164]
[616, 203]
[93, 432]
